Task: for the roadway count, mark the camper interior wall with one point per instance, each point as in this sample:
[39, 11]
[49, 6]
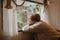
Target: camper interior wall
[1, 16]
[54, 13]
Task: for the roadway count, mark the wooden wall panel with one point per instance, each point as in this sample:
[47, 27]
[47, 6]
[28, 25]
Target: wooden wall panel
[40, 1]
[54, 13]
[1, 15]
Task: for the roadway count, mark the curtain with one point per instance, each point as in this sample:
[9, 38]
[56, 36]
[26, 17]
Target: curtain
[10, 20]
[44, 14]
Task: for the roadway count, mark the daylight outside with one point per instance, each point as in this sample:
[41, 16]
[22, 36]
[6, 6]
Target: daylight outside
[24, 11]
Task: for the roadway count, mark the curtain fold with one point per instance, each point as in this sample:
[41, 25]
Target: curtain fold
[10, 20]
[44, 15]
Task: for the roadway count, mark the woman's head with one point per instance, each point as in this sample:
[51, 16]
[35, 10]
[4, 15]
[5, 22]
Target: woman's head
[34, 18]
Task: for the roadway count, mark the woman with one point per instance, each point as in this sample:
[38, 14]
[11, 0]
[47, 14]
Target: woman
[39, 29]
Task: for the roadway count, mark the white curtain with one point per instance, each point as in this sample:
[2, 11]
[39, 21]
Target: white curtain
[10, 20]
[44, 14]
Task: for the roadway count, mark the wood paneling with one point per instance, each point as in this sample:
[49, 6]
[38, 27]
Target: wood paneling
[1, 15]
[40, 1]
[54, 13]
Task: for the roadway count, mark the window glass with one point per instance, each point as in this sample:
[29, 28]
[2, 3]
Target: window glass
[24, 11]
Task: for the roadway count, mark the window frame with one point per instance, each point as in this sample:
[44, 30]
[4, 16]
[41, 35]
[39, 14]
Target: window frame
[35, 2]
[31, 2]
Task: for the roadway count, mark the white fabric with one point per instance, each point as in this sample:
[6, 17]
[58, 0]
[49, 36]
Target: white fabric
[9, 20]
[44, 14]
[27, 27]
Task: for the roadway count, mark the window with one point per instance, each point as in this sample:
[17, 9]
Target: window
[24, 11]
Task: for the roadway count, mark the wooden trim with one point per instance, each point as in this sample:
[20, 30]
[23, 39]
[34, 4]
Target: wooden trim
[1, 14]
[35, 2]
[17, 4]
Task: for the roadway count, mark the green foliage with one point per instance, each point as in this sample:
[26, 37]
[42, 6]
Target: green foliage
[24, 12]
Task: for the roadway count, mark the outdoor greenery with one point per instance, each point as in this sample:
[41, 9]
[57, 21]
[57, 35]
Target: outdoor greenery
[23, 13]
